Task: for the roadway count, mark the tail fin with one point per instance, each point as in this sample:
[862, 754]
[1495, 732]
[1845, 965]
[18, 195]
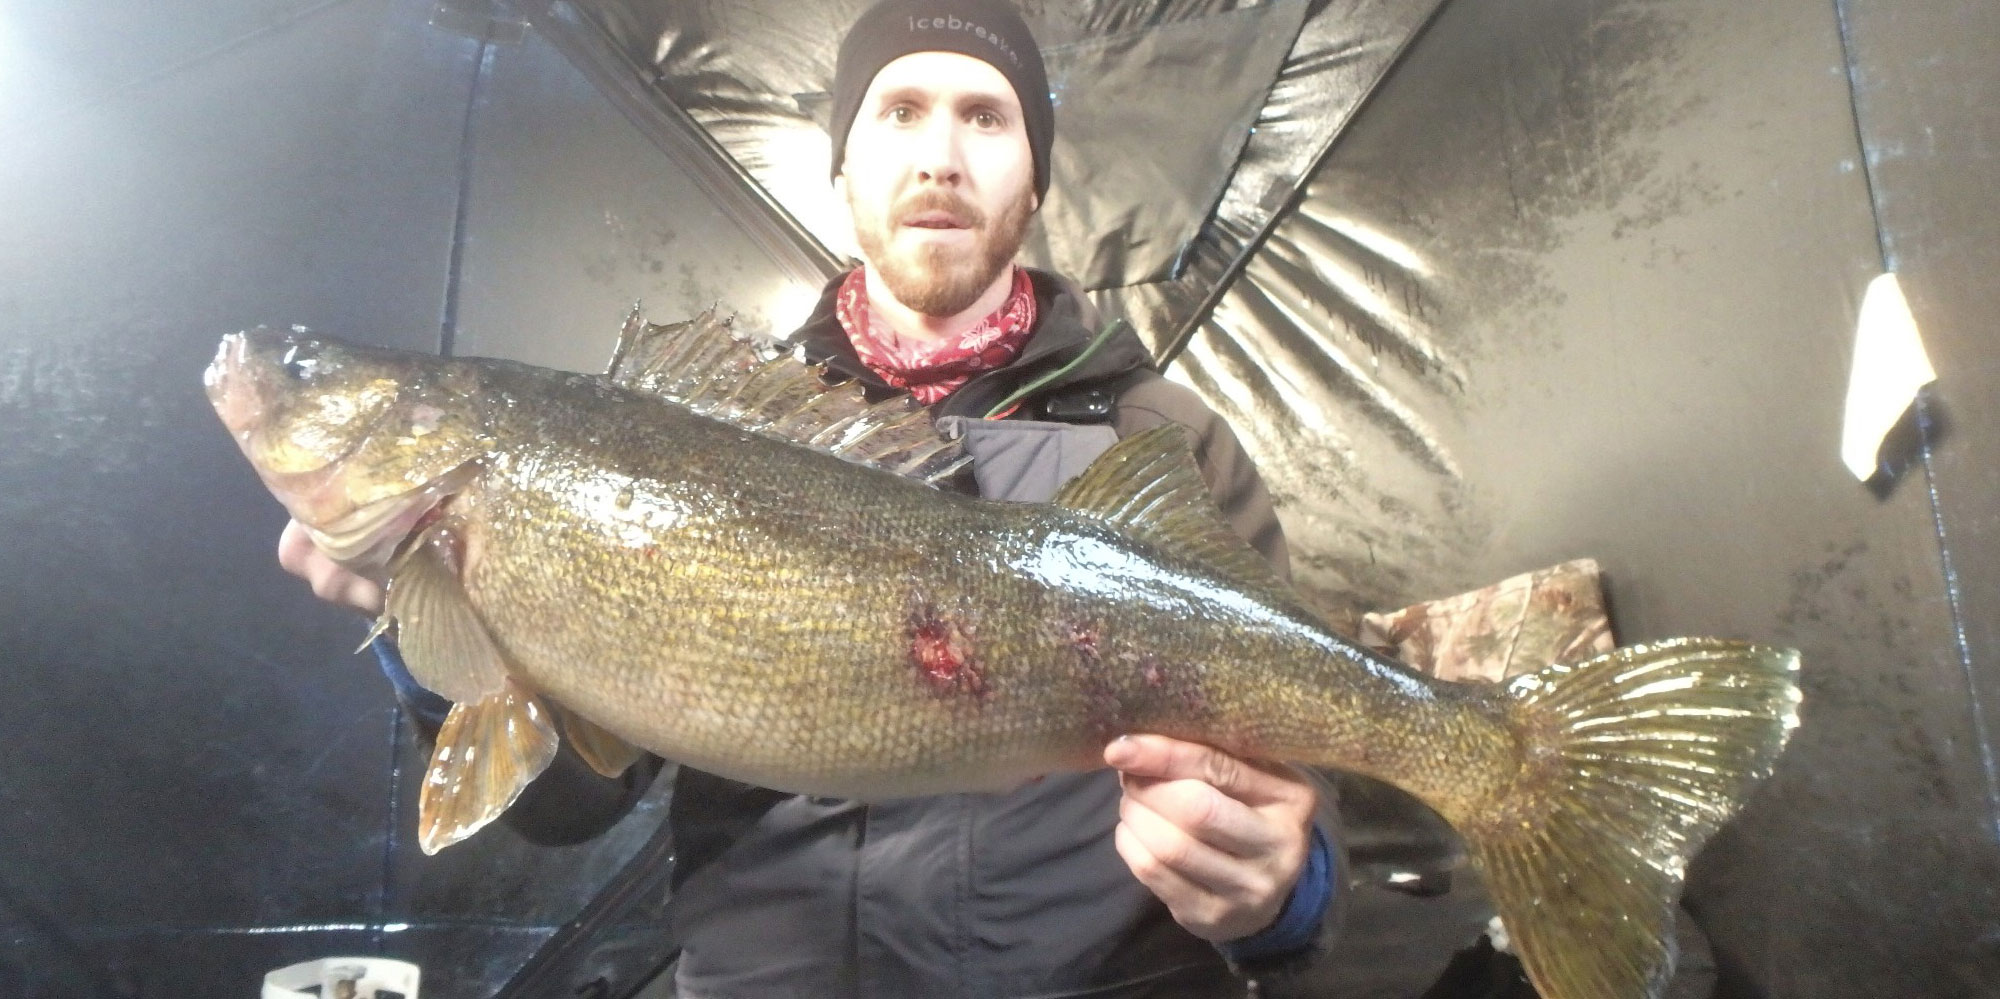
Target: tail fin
[1634, 759]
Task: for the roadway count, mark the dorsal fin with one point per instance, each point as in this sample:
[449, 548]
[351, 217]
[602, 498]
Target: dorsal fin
[760, 385]
[1148, 486]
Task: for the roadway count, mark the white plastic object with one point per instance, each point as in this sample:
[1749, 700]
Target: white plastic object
[344, 978]
[1890, 365]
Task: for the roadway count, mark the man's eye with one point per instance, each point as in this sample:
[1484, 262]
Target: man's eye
[986, 119]
[902, 115]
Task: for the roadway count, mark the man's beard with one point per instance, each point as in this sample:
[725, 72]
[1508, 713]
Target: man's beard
[941, 280]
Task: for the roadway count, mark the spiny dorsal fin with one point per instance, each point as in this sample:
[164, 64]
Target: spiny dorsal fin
[759, 385]
[1149, 487]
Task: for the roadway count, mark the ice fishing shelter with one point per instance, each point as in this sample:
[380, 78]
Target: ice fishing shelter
[1484, 286]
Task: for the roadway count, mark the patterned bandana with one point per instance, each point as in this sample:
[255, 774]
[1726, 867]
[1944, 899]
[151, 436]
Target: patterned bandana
[934, 369]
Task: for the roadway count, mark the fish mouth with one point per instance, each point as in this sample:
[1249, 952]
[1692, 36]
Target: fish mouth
[238, 383]
[357, 515]
[243, 383]
[233, 394]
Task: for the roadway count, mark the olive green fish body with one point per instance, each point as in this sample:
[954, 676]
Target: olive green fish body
[814, 625]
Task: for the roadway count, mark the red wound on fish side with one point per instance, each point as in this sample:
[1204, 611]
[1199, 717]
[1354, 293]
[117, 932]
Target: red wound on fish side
[1083, 638]
[1103, 709]
[942, 651]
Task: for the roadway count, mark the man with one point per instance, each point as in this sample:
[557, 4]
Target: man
[1148, 881]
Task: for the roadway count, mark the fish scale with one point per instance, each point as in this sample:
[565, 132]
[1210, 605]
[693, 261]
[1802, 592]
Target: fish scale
[656, 558]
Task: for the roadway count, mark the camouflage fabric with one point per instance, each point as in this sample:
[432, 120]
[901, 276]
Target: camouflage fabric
[1515, 626]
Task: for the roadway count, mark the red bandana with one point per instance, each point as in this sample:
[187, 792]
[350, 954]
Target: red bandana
[934, 369]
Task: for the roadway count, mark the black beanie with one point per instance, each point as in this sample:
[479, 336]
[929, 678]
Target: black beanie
[987, 30]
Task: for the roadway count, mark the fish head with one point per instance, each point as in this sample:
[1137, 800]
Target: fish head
[357, 442]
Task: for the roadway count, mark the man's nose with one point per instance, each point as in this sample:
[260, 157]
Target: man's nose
[938, 153]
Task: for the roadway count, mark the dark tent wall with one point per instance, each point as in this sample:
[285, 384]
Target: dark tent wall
[1910, 804]
[203, 783]
[1644, 229]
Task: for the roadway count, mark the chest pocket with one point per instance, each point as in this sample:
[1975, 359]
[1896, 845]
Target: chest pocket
[1026, 461]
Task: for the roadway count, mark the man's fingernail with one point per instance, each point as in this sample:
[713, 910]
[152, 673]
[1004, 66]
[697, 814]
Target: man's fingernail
[1119, 751]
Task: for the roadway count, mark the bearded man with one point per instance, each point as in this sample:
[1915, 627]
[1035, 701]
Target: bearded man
[1179, 872]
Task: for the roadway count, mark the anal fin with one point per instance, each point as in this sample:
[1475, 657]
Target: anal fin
[606, 753]
[487, 752]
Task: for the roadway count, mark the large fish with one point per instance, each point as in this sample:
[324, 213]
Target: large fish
[709, 554]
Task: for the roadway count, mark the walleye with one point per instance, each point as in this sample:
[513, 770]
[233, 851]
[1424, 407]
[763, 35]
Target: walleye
[710, 554]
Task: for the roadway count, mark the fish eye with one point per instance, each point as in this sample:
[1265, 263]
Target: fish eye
[298, 363]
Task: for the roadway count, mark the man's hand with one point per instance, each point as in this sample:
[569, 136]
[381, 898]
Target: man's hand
[331, 581]
[1219, 839]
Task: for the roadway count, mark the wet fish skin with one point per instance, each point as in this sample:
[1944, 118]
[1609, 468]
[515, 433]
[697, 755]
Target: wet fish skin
[824, 574]
[1019, 603]
[792, 619]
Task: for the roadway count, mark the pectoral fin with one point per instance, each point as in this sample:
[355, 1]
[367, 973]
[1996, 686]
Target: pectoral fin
[606, 753]
[443, 640]
[487, 752]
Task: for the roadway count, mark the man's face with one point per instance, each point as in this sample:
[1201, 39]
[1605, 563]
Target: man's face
[939, 179]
